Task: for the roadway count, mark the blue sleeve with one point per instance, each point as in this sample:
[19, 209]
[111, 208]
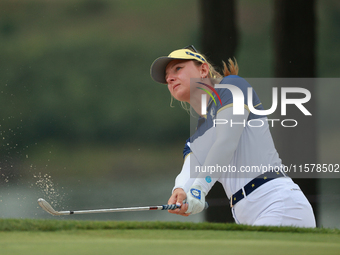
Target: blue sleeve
[243, 85]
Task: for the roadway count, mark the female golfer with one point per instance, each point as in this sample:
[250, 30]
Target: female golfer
[234, 149]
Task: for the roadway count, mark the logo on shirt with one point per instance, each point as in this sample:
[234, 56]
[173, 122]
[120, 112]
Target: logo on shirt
[212, 112]
[208, 179]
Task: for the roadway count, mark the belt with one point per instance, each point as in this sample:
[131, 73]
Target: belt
[253, 185]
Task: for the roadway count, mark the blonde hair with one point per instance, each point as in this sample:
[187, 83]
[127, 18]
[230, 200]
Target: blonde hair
[184, 105]
[215, 76]
[231, 69]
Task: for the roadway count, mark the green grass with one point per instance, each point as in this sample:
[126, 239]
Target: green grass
[91, 237]
[61, 225]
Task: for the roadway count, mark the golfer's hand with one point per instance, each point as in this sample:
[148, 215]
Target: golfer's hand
[195, 200]
[177, 197]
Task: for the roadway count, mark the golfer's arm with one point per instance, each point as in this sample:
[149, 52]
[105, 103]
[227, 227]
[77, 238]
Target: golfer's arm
[222, 151]
[184, 180]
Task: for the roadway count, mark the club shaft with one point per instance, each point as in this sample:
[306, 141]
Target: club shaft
[48, 208]
[129, 209]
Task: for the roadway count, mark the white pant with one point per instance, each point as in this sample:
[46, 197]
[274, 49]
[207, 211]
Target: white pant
[279, 202]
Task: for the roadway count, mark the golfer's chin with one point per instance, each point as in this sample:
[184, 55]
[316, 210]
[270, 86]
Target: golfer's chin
[181, 96]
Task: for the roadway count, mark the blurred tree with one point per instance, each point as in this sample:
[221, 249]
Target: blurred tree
[219, 29]
[294, 38]
[219, 41]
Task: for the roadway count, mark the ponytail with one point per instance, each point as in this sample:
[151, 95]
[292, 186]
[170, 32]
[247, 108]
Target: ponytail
[231, 69]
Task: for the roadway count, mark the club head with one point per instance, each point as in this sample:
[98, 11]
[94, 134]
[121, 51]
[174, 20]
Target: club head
[47, 207]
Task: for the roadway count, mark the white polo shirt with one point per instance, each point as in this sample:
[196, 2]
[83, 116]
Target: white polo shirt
[241, 145]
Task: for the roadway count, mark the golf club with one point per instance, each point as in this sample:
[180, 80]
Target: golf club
[48, 208]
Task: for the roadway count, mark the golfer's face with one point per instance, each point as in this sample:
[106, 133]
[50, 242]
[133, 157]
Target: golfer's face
[177, 75]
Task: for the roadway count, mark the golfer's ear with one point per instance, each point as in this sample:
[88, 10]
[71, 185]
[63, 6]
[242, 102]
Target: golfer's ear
[204, 70]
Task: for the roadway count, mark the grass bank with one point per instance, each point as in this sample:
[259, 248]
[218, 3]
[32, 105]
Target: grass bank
[89, 237]
[63, 225]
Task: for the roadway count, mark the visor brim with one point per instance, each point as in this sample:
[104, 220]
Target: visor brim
[157, 70]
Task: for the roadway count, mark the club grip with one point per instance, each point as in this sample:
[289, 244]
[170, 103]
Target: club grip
[173, 207]
[170, 207]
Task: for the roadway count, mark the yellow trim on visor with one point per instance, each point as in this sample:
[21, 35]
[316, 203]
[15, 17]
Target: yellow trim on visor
[157, 70]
